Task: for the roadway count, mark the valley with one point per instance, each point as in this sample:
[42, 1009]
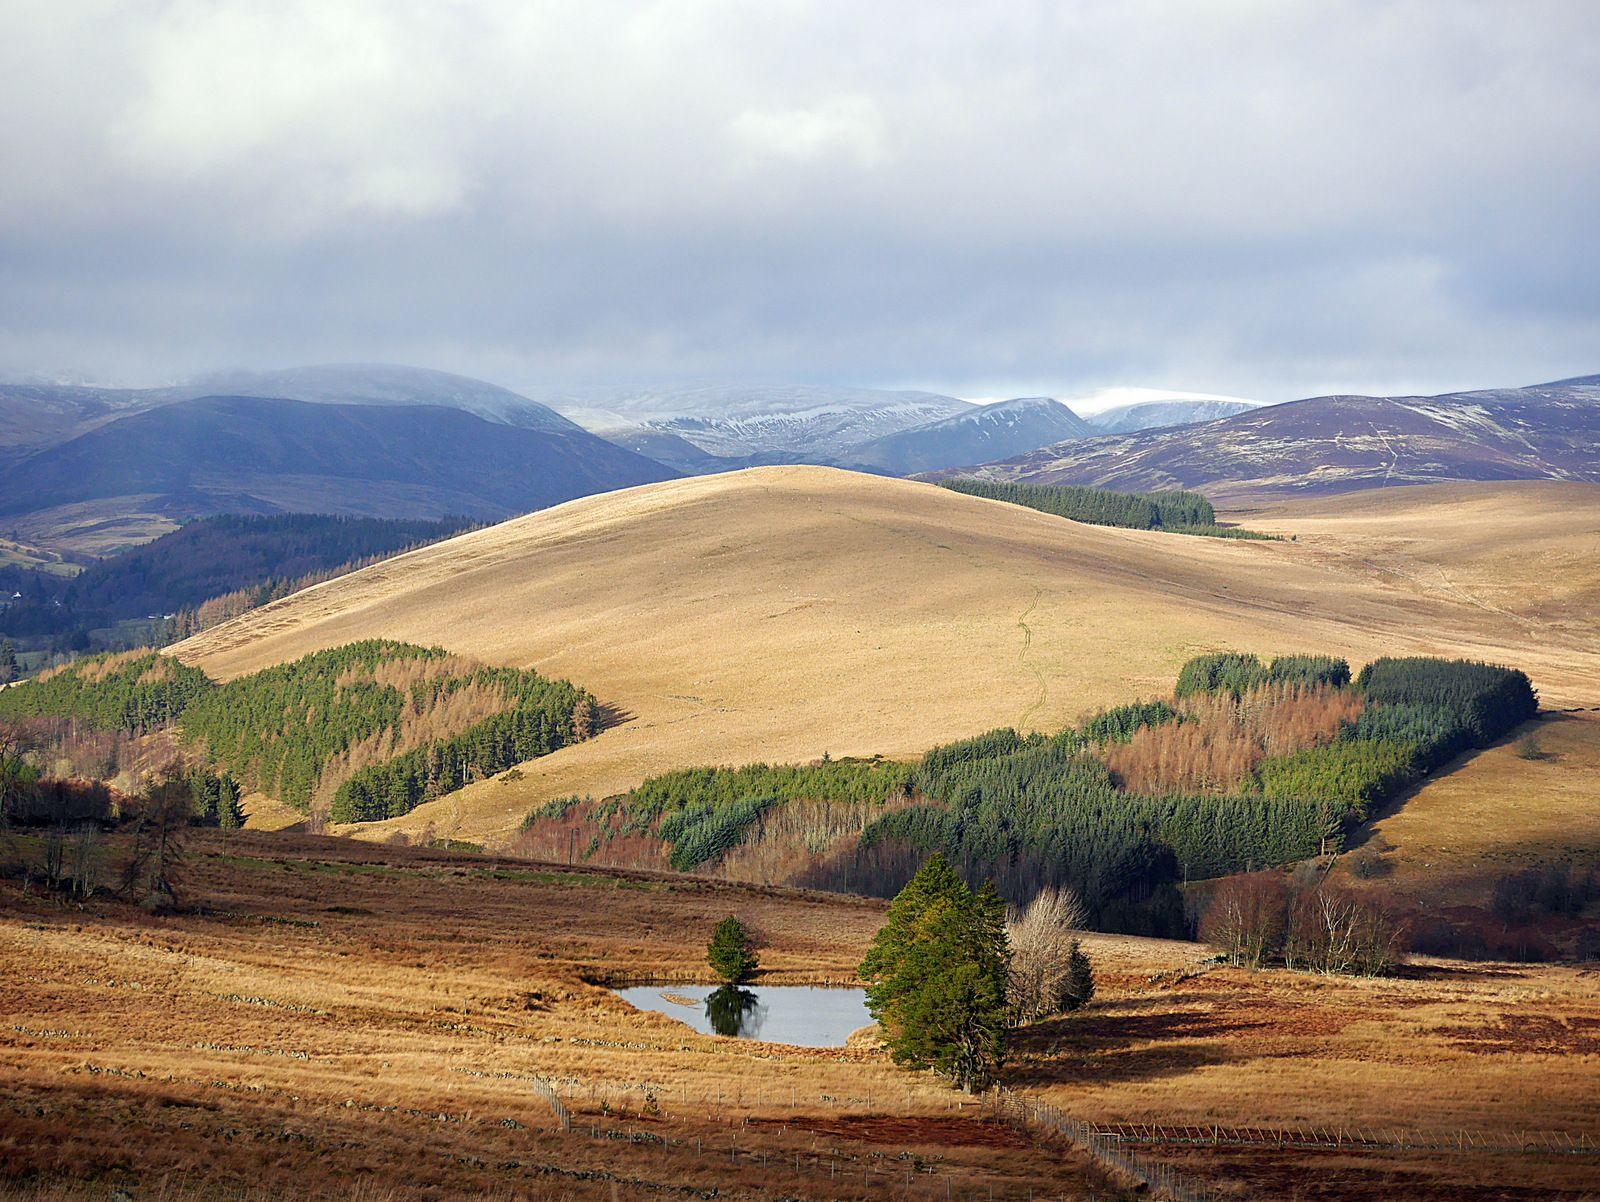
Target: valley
[683, 602]
[423, 1009]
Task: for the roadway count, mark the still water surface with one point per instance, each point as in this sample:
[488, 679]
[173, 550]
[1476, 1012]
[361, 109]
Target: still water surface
[807, 1016]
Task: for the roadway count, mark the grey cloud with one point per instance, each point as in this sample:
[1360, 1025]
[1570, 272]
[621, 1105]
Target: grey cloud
[1269, 200]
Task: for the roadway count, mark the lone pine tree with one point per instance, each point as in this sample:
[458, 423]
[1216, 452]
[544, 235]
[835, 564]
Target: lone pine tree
[731, 952]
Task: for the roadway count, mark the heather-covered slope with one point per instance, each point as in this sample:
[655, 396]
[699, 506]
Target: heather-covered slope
[1342, 443]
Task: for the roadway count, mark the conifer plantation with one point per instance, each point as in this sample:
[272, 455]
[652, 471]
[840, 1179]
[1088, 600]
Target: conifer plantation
[1177, 512]
[130, 693]
[360, 732]
[1098, 506]
[1250, 765]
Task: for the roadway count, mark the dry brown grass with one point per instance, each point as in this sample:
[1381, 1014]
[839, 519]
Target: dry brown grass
[96, 528]
[357, 1014]
[351, 1014]
[1528, 550]
[782, 613]
[1444, 847]
[1446, 1047]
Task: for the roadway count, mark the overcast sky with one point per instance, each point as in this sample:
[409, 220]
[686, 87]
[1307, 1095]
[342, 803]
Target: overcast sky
[1266, 199]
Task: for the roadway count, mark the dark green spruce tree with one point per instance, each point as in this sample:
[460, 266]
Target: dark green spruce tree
[731, 952]
[936, 977]
[1079, 985]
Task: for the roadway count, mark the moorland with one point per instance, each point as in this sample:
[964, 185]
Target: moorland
[785, 613]
[342, 1019]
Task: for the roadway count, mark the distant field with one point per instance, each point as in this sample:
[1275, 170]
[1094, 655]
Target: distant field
[94, 528]
[784, 613]
[22, 555]
[347, 1020]
[1527, 551]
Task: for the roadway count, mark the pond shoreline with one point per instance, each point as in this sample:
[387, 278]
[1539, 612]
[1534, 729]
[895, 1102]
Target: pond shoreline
[808, 1016]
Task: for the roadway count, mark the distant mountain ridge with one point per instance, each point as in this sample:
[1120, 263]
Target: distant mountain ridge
[381, 384]
[750, 423]
[1342, 443]
[985, 432]
[692, 427]
[273, 455]
[35, 416]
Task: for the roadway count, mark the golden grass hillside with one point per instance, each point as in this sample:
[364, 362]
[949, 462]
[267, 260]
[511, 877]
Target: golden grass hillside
[1531, 803]
[784, 613]
[1527, 550]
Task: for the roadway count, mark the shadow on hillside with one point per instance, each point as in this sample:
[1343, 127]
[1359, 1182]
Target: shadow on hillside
[1461, 972]
[611, 715]
[1105, 1046]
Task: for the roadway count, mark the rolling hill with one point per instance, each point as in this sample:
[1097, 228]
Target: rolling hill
[257, 455]
[33, 416]
[1342, 443]
[977, 436]
[784, 613]
[380, 384]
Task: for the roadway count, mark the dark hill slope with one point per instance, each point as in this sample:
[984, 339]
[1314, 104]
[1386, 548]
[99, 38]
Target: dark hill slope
[36, 416]
[1341, 443]
[212, 556]
[380, 384]
[260, 455]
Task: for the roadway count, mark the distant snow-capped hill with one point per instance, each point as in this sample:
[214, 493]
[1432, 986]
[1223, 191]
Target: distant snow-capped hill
[1341, 443]
[986, 433]
[37, 416]
[1152, 415]
[267, 455]
[736, 420]
[379, 384]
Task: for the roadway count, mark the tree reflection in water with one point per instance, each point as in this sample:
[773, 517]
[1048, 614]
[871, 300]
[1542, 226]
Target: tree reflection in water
[734, 1011]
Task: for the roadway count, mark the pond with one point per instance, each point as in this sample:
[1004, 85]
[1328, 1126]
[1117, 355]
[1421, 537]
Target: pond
[807, 1016]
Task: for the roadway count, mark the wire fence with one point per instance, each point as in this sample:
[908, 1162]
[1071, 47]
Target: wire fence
[1542, 1142]
[1111, 1145]
[1106, 1148]
[893, 1176]
[553, 1100]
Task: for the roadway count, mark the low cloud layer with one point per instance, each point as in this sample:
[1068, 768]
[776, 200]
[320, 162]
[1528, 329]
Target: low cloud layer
[1269, 200]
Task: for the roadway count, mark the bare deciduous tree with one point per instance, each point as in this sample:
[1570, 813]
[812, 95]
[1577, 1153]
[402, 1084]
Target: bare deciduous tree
[159, 818]
[1333, 930]
[1247, 918]
[1043, 938]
